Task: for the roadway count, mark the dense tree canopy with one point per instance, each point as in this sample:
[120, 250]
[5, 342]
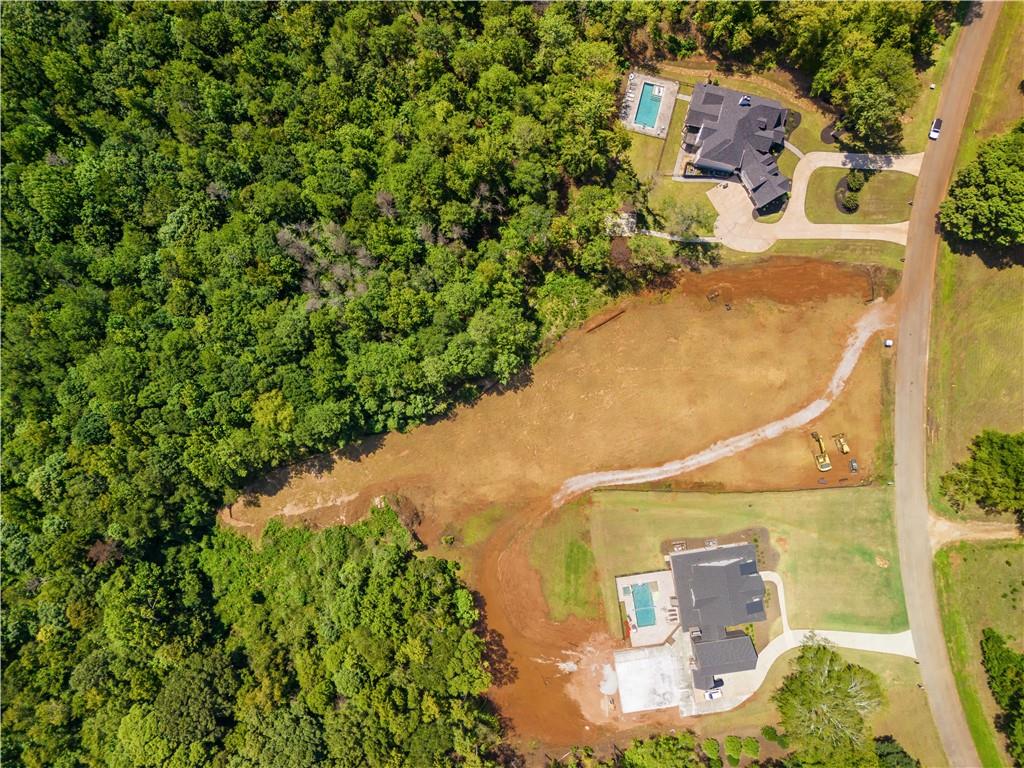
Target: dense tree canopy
[1005, 669]
[861, 56]
[986, 201]
[993, 476]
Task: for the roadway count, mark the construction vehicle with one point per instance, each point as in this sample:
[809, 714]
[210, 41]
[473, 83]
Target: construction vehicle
[841, 443]
[821, 457]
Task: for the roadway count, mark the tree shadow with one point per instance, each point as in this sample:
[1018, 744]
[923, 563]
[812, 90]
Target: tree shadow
[992, 257]
[503, 671]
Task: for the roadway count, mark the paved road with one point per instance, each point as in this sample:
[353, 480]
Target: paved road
[911, 392]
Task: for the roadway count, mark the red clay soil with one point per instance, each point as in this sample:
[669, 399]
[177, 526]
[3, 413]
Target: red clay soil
[669, 376]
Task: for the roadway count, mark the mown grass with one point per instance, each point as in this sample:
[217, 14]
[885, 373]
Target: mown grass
[645, 155]
[561, 554]
[838, 547]
[854, 251]
[922, 112]
[976, 370]
[883, 200]
[980, 585]
[673, 139]
[905, 715]
[687, 192]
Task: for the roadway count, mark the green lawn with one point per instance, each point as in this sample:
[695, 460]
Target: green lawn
[829, 541]
[787, 163]
[976, 372]
[922, 112]
[904, 716]
[980, 585]
[883, 200]
[479, 527]
[561, 554]
[645, 154]
[686, 192]
[673, 139]
[854, 251]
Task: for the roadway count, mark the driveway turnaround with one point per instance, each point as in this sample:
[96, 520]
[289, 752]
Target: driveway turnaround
[740, 686]
[911, 391]
[736, 227]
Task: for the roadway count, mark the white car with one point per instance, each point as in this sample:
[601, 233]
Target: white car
[933, 134]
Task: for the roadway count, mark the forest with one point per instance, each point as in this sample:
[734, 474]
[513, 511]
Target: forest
[238, 234]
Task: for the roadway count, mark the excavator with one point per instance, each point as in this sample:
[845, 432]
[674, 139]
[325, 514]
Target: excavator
[821, 457]
[841, 444]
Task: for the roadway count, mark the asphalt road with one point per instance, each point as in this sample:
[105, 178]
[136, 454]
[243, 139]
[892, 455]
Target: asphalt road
[912, 388]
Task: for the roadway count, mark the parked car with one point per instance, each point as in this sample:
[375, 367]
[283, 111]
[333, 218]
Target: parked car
[936, 127]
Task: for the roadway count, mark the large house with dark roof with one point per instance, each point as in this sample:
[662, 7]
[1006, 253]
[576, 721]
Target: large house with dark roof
[717, 589]
[729, 132]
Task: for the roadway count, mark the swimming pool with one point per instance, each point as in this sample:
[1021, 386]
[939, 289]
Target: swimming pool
[649, 106]
[643, 604]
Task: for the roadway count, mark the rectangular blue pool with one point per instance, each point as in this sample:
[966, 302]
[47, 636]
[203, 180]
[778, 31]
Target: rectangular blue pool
[649, 106]
[643, 604]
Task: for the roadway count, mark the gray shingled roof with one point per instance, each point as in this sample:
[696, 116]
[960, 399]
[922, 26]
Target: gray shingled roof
[734, 134]
[719, 588]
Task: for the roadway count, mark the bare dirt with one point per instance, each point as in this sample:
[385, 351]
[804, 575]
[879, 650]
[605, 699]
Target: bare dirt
[672, 374]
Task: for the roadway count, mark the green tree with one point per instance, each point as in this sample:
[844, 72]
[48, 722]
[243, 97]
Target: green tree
[824, 704]
[986, 201]
[993, 476]
[1005, 670]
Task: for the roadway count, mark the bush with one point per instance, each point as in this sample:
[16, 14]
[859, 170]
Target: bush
[770, 733]
[855, 181]
[733, 760]
[710, 747]
[733, 748]
[714, 762]
[751, 747]
[851, 201]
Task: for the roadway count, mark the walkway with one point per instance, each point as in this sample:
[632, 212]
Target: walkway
[736, 227]
[740, 686]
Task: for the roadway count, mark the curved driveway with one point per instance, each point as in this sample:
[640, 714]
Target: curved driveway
[736, 228]
[911, 392]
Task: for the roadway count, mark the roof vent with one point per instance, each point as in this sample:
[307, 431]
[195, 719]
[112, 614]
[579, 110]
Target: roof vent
[744, 101]
[762, 123]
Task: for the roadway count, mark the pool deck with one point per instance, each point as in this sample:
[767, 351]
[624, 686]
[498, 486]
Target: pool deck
[662, 592]
[668, 103]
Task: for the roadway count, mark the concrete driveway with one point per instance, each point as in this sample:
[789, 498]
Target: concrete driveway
[740, 686]
[736, 227]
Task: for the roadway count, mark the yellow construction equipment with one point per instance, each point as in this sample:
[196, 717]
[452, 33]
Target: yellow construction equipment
[821, 457]
[841, 445]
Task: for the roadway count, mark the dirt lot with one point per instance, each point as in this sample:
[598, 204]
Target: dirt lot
[669, 376]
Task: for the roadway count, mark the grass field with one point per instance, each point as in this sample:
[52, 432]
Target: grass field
[561, 554]
[644, 155]
[686, 192]
[980, 585]
[976, 371]
[479, 527]
[922, 112]
[838, 547]
[855, 251]
[883, 200]
[787, 163]
[905, 715]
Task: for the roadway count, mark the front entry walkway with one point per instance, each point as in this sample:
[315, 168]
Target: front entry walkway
[736, 227]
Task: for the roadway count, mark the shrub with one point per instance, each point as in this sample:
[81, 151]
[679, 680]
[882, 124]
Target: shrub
[855, 181]
[733, 748]
[851, 201]
[710, 747]
[770, 733]
[751, 747]
[714, 762]
[733, 760]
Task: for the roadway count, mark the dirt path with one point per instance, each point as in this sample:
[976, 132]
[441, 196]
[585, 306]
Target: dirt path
[943, 531]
